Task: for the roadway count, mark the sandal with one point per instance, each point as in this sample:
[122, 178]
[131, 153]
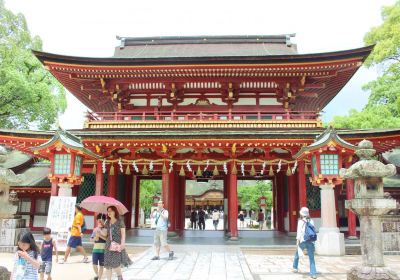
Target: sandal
[85, 260]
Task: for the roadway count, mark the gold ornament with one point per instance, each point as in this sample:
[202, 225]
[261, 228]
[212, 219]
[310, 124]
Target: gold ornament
[94, 169]
[199, 173]
[145, 171]
[271, 171]
[164, 169]
[288, 171]
[112, 170]
[306, 171]
[252, 171]
[215, 171]
[128, 170]
[234, 169]
[182, 172]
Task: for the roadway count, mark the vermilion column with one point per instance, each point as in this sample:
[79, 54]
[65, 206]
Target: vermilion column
[274, 204]
[137, 201]
[180, 203]
[172, 201]
[280, 202]
[112, 183]
[302, 185]
[128, 200]
[292, 193]
[351, 217]
[233, 205]
[99, 178]
[226, 196]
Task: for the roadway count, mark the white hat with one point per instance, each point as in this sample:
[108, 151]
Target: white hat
[304, 212]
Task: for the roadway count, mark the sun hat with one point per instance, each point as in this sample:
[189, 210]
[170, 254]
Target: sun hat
[304, 212]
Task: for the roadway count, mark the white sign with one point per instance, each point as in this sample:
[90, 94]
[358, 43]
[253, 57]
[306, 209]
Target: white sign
[60, 218]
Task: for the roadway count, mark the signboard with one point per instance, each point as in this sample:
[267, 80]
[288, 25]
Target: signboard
[60, 218]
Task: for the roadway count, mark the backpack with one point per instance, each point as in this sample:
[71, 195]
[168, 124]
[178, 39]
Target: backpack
[310, 234]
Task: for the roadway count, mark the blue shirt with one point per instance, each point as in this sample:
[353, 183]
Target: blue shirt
[47, 251]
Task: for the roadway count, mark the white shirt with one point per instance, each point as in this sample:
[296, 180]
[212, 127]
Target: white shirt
[301, 228]
[215, 216]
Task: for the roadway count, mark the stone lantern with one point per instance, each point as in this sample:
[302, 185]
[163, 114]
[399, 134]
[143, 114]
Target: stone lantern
[370, 204]
[327, 155]
[66, 154]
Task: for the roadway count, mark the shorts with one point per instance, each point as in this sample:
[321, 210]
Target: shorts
[74, 241]
[160, 238]
[45, 267]
[98, 259]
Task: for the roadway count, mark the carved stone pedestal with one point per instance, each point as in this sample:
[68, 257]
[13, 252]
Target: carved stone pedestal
[368, 272]
[9, 231]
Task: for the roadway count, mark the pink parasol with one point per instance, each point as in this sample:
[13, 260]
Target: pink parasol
[100, 203]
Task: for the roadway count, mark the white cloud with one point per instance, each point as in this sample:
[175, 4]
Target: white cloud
[89, 27]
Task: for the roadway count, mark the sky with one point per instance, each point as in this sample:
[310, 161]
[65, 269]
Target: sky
[89, 28]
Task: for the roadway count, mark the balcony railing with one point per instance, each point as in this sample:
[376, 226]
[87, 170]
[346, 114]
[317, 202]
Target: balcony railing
[185, 119]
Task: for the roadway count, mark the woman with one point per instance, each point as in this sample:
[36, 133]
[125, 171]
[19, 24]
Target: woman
[115, 255]
[241, 219]
[304, 244]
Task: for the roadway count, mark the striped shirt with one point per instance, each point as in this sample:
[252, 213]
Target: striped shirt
[24, 270]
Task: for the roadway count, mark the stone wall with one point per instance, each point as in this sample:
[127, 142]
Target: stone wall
[391, 234]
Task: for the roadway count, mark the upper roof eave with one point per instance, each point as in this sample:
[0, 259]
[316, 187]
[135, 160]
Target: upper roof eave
[360, 53]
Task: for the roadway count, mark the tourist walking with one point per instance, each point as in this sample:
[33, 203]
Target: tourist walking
[27, 259]
[75, 240]
[193, 219]
[241, 219]
[215, 218]
[115, 255]
[160, 233]
[304, 241]
[260, 219]
[202, 219]
[46, 253]
[99, 240]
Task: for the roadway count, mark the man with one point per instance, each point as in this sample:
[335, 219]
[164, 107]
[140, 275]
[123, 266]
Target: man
[202, 219]
[260, 219]
[160, 217]
[75, 241]
[215, 218]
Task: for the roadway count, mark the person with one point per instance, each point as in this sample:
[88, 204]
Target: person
[215, 218]
[260, 219]
[27, 259]
[115, 254]
[193, 219]
[46, 254]
[241, 219]
[99, 240]
[160, 233]
[75, 240]
[304, 244]
[202, 219]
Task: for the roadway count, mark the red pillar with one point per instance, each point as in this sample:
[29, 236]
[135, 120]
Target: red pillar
[180, 203]
[54, 189]
[292, 193]
[226, 196]
[233, 205]
[99, 178]
[351, 217]
[171, 206]
[128, 200]
[274, 202]
[137, 201]
[112, 183]
[302, 185]
[280, 215]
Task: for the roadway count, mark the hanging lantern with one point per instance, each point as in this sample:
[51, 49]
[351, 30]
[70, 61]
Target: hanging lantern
[234, 169]
[199, 173]
[164, 168]
[94, 170]
[145, 171]
[182, 172]
[215, 171]
[288, 171]
[112, 170]
[271, 171]
[252, 171]
[127, 170]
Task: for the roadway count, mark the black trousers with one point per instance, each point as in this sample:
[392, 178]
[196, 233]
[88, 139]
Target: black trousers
[202, 224]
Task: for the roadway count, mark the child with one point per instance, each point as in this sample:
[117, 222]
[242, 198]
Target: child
[47, 254]
[27, 259]
[99, 246]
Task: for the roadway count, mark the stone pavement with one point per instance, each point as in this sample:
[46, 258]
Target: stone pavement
[216, 262]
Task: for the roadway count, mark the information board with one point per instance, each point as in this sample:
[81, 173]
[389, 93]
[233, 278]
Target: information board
[60, 217]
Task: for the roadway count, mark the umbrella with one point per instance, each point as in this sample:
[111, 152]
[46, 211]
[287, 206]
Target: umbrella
[100, 203]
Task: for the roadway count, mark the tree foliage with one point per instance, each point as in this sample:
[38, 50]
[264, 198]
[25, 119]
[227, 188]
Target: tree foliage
[249, 195]
[383, 108]
[148, 189]
[29, 95]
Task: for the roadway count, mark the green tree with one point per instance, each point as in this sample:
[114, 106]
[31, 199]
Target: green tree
[383, 108]
[148, 189]
[249, 195]
[29, 95]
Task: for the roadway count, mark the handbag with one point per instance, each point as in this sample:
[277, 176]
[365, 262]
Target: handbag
[114, 246]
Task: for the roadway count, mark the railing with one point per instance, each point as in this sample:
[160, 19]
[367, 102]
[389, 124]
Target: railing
[150, 116]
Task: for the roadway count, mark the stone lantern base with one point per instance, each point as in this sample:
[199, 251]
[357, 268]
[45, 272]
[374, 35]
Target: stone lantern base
[368, 272]
[330, 242]
[9, 231]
